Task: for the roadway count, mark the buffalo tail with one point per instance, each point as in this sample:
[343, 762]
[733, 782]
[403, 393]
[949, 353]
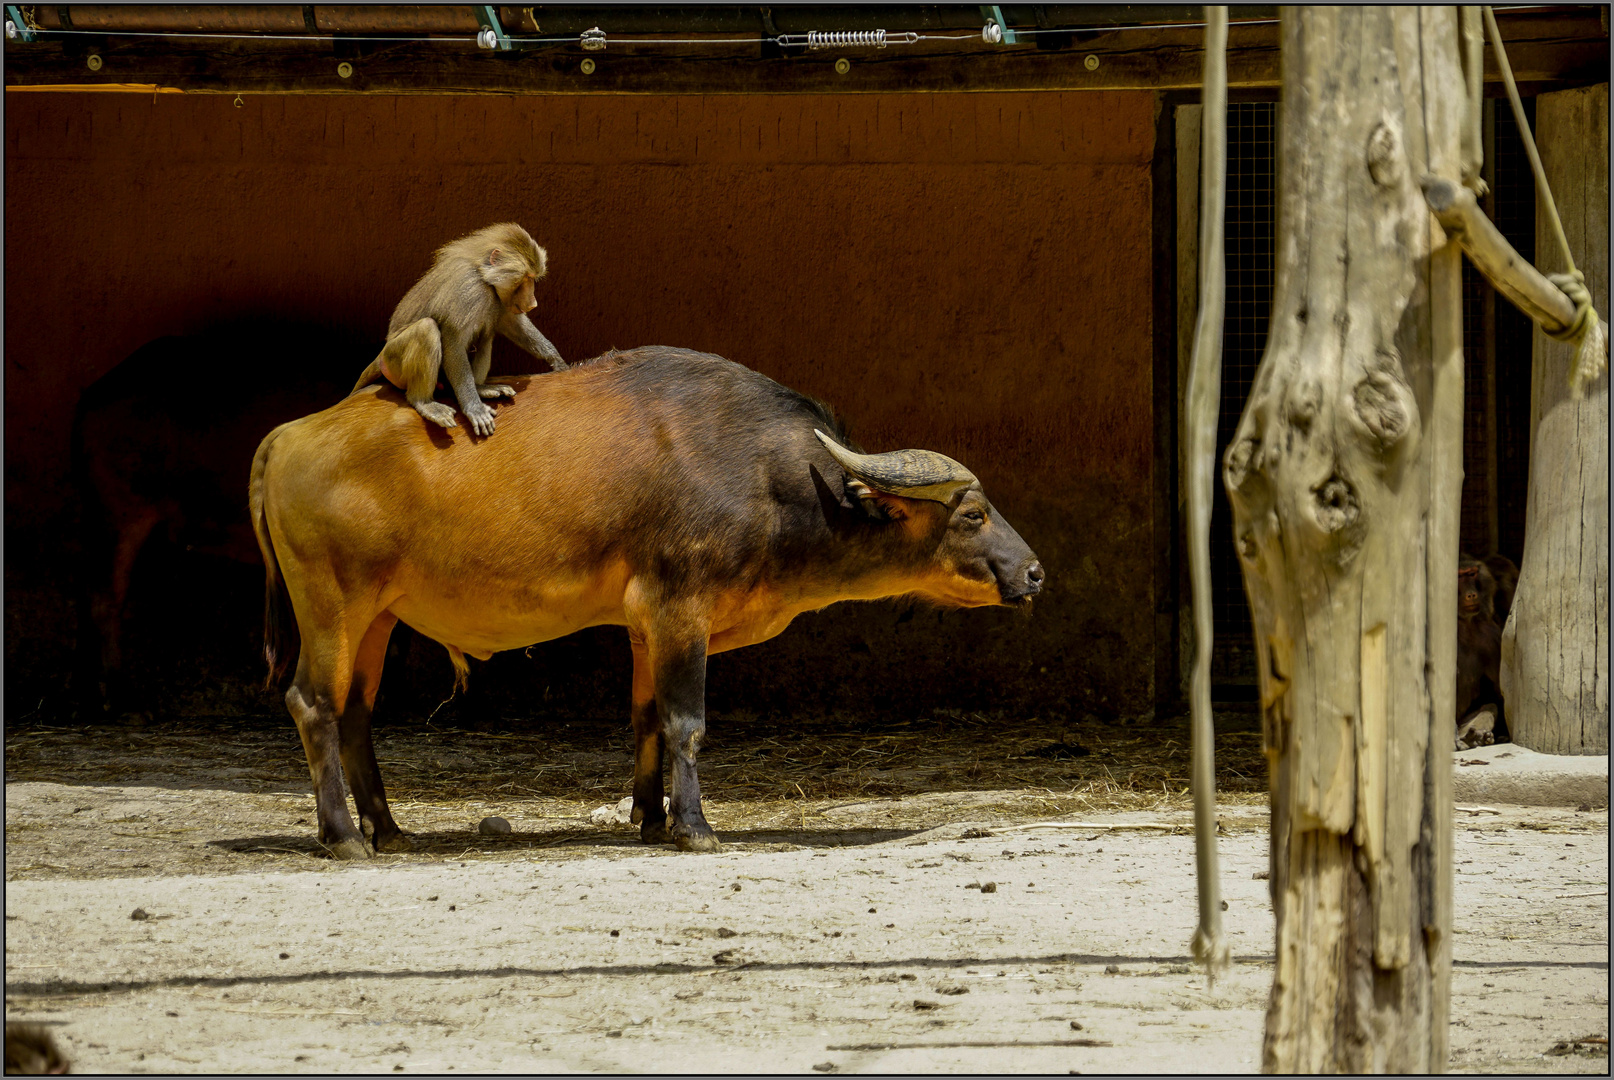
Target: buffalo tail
[280, 636]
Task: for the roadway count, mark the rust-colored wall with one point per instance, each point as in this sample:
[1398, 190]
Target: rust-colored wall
[968, 273]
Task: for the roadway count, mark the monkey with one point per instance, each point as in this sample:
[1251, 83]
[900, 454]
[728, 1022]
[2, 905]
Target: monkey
[477, 285]
[1507, 583]
[31, 1051]
[1480, 717]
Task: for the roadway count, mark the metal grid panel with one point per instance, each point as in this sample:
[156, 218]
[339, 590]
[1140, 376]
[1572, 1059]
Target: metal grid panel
[1250, 245]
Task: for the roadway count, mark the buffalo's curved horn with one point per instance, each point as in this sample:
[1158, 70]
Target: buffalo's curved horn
[913, 474]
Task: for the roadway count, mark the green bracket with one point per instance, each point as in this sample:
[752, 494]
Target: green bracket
[14, 16]
[992, 13]
[488, 16]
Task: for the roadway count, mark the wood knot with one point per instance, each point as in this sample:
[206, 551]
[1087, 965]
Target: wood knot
[1237, 461]
[1384, 155]
[1304, 401]
[1337, 508]
[1382, 400]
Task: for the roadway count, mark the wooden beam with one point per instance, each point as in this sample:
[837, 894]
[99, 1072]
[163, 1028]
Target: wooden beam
[1507, 271]
[1553, 49]
[1167, 690]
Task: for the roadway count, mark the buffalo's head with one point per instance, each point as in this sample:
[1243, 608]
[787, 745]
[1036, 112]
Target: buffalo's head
[971, 556]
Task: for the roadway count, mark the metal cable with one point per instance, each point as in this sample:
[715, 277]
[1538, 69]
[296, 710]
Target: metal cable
[906, 37]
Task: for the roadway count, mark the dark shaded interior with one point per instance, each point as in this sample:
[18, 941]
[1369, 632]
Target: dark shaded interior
[964, 273]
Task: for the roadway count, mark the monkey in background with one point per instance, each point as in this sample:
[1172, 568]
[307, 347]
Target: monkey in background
[1480, 719]
[1507, 583]
[478, 285]
[31, 1051]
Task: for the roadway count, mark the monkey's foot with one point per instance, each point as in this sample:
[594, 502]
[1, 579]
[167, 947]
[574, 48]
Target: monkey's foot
[439, 414]
[655, 832]
[481, 418]
[351, 850]
[491, 391]
[1478, 729]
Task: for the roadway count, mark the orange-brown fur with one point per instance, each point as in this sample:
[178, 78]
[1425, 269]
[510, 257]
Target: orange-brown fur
[438, 493]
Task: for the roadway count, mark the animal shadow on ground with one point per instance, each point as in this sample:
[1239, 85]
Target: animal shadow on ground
[442, 843]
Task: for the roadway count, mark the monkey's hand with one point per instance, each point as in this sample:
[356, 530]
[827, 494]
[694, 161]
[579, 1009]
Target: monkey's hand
[492, 390]
[439, 414]
[480, 416]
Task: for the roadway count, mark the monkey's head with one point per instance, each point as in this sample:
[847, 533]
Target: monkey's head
[1475, 589]
[513, 277]
[511, 262]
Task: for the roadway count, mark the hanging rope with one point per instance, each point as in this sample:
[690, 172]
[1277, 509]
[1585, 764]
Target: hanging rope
[1585, 331]
[1204, 397]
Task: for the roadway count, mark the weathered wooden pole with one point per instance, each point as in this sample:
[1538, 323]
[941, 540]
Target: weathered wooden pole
[1555, 655]
[1345, 478]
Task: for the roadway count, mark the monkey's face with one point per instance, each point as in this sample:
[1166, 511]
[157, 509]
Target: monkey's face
[1469, 596]
[521, 299]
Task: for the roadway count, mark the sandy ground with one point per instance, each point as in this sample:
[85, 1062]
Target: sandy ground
[845, 936]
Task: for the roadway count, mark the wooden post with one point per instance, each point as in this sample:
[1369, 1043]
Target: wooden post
[1345, 478]
[1555, 658]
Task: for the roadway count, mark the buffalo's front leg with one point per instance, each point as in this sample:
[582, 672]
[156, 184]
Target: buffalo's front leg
[649, 810]
[680, 667]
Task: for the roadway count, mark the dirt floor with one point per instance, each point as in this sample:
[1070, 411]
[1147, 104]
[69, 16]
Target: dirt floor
[167, 909]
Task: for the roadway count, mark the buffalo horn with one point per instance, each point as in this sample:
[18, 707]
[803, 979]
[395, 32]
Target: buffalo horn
[913, 474]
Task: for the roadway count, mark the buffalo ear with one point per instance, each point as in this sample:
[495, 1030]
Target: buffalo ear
[878, 504]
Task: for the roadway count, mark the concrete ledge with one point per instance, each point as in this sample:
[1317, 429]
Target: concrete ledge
[1512, 774]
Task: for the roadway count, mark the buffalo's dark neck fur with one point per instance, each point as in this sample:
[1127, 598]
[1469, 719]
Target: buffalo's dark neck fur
[773, 506]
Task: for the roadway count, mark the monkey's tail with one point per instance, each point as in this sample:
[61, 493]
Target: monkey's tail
[371, 374]
[280, 637]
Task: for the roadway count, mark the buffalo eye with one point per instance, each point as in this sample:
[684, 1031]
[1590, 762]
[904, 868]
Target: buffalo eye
[975, 517]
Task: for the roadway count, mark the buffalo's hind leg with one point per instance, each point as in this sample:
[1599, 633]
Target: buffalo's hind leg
[357, 747]
[680, 667]
[649, 807]
[312, 703]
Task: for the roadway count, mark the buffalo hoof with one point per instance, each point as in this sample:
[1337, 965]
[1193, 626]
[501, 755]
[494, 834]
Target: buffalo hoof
[703, 842]
[351, 850]
[655, 832]
[396, 844]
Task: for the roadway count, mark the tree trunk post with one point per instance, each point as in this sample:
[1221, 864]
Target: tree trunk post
[1555, 658]
[1345, 478]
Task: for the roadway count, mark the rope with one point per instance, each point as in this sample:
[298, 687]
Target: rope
[1585, 331]
[1204, 397]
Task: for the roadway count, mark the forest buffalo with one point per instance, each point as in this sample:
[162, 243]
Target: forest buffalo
[696, 502]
